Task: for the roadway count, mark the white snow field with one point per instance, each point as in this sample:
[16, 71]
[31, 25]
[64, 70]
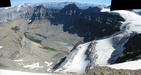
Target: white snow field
[132, 65]
[78, 64]
[10, 72]
[105, 10]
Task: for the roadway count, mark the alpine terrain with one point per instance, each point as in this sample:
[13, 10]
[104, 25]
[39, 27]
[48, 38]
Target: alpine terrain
[72, 38]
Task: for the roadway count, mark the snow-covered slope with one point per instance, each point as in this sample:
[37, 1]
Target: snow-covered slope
[109, 48]
[105, 10]
[10, 72]
[128, 15]
[132, 65]
[78, 63]
[106, 50]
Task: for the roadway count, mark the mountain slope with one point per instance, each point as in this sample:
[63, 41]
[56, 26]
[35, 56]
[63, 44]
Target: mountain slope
[67, 40]
[106, 50]
[39, 37]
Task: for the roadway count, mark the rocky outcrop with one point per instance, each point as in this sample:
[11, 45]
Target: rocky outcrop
[11, 13]
[110, 71]
[132, 50]
[89, 23]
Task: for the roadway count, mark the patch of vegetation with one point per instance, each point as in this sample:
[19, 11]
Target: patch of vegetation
[42, 36]
[35, 40]
[32, 39]
[48, 48]
[16, 28]
[57, 55]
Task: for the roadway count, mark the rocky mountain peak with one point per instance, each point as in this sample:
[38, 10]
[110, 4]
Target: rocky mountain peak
[94, 9]
[71, 7]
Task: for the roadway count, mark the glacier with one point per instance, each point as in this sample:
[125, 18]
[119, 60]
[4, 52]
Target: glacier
[77, 62]
[105, 51]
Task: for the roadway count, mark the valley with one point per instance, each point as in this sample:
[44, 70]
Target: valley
[69, 40]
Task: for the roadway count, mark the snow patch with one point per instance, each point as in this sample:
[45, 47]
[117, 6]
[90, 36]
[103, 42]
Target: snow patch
[78, 64]
[7, 8]
[103, 51]
[1, 47]
[132, 65]
[105, 10]
[10, 72]
[48, 64]
[18, 60]
[33, 66]
[128, 15]
[19, 7]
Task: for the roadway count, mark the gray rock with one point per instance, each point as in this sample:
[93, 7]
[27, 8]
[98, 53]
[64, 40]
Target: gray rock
[110, 71]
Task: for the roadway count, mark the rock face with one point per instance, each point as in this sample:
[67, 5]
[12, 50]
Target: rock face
[71, 21]
[132, 50]
[110, 71]
[88, 23]
[8, 14]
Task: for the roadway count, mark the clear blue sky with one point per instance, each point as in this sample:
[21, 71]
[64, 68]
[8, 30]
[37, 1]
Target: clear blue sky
[17, 2]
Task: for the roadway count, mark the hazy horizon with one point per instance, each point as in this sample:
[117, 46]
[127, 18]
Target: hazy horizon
[100, 2]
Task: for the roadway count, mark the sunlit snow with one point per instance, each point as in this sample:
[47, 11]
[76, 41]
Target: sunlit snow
[10, 72]
[132, 65]
[34, 65]
[78, 63]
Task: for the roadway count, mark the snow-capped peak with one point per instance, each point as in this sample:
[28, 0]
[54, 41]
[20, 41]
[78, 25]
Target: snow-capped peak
[128, 15]
[105, 10]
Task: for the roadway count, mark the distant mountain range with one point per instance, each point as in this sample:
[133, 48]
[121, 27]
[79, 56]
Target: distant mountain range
[60, 5]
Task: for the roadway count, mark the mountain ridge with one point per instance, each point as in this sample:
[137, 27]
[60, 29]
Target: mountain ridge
[57, 36]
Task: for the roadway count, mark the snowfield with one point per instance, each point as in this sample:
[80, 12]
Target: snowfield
[9, 72]
[105, 10]
[132, 65]
[132, 24]
[128, 15]
[109, 48]
[34, 65]
[78, 64]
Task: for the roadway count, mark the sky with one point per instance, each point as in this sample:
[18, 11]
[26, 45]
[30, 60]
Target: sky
[17, 2]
